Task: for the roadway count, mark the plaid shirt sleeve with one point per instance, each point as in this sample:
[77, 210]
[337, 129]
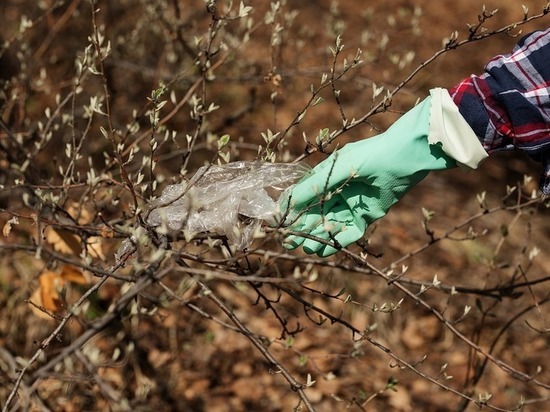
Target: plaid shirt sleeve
[508, 106]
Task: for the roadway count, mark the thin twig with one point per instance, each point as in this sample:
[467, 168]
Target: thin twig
[294, 384]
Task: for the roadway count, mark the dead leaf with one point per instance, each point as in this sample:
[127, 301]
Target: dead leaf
[400, 400]
[158, 359]
[51, 286]
[80, 213]
[95, 247]
[8, 225]
[72, 274]
[107, 232]
[45, 299]
[419, 332]
[63, 241]
[245, 388]
[6, 229]
[67, 242]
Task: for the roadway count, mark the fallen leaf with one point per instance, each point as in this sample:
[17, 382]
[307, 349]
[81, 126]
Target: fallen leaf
[72, 274]
[95, 247]
[63, 241]
[400, 400]
[419, 332]
[80, 213]
[67, 242]
[158, 359]
[107, 232]
[51, 285]
[8, 225]
[46, 299]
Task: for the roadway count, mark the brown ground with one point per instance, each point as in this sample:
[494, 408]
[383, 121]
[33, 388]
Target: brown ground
[175, 359]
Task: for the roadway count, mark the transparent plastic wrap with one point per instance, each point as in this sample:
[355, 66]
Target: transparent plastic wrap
[230, 199]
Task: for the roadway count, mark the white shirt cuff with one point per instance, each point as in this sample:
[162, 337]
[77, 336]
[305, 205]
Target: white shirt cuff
[448, 127]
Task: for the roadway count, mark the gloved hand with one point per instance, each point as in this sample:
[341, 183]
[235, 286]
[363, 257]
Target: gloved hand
[357, 184]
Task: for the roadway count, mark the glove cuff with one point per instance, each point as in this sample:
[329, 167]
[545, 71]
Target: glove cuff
[448, 127]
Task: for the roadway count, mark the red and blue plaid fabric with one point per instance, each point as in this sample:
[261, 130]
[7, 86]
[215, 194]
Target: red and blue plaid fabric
[509, 105]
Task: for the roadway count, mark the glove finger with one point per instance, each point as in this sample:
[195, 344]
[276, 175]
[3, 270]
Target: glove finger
[346, 216]
[312, 222]
[293, 242]
[342, 224]
[345, 238]
[357, 205]
[352, 228]
[311, 219]
[312, 246]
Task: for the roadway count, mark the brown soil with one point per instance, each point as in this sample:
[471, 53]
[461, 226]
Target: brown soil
[172, 358]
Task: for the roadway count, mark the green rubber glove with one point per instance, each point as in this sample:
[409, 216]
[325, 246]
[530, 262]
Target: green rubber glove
[357, 184]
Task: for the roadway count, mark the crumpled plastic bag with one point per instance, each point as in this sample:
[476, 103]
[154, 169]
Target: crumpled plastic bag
[231, 199]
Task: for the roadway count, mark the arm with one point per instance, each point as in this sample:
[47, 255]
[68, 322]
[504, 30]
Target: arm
[507, 106]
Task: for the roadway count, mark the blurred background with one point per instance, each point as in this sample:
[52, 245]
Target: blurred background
[258, 70]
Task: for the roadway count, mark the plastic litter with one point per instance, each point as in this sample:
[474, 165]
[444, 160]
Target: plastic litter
[231, 199]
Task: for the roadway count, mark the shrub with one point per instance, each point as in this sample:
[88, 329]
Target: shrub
[104, 104]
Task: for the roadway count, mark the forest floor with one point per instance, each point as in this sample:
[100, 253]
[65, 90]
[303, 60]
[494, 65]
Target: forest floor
[173, 358]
